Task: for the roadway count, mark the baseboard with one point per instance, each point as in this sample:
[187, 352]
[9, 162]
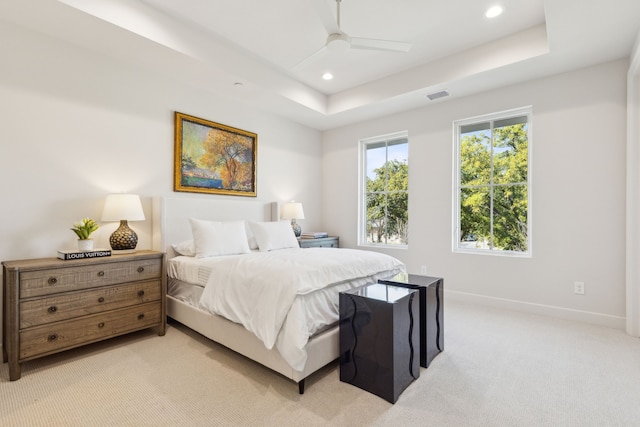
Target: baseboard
[616, 322]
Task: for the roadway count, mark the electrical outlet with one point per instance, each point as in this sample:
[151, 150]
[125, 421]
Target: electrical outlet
[578, 288]
[423, 269]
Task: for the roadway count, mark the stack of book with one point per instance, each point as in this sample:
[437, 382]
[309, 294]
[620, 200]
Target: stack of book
[314, 234]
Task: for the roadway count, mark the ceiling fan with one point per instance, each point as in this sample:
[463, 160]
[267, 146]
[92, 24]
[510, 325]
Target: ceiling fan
[338, 40]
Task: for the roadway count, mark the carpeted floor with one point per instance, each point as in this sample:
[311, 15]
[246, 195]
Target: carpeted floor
[499, 368]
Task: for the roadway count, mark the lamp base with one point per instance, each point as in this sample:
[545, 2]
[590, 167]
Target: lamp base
[296, 228]
[123, 239]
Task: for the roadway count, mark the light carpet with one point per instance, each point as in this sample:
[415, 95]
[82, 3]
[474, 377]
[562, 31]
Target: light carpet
[499, 368]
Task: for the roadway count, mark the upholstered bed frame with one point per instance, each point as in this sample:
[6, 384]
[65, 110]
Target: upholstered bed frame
[171, 225]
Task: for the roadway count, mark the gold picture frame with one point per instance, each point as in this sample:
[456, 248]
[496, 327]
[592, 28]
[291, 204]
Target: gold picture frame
[214, 158]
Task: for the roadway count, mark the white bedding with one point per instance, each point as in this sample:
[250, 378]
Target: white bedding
[191, 269]
[283, 296]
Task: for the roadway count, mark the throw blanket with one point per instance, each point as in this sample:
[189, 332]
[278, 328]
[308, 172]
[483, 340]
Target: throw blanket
[258, 289]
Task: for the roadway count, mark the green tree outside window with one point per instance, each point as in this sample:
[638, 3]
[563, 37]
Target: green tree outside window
[493, 185]
[387, 191]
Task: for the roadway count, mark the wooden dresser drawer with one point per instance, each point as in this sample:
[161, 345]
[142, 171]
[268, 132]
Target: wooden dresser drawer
[56, 308]
[56, 280]
[71, 333]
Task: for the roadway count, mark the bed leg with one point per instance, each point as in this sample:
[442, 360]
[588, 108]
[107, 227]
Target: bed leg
[301, 386]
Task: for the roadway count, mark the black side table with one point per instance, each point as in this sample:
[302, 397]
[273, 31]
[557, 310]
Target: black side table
[431, 312]
[379, 339]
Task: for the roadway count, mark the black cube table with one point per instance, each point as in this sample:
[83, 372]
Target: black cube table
[431, 312]
[379, 338]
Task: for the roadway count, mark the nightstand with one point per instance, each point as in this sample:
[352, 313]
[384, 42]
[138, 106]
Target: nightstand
[51, 305]
[379, 338]
[321, 242]
[431, 312]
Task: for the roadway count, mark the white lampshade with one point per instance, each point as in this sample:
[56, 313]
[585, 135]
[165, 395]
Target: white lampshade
[292, 210]
[122, 206]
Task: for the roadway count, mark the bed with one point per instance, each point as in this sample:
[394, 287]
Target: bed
[300, 334]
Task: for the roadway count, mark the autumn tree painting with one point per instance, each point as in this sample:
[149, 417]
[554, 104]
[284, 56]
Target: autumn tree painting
[232, 156]
[214, 158]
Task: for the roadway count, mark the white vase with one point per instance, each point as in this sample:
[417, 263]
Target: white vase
[85, 245]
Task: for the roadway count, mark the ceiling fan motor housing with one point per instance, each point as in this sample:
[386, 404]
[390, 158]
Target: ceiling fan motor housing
[338, 41]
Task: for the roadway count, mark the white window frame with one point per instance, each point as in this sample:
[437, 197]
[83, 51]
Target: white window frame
[362, 188]
[456, 248]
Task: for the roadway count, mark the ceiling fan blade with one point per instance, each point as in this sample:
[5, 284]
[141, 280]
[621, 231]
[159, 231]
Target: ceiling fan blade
[326, 15]
[311, 58]
[384, 45]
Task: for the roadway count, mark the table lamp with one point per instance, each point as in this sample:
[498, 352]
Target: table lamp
[293, 211]
[123, 208]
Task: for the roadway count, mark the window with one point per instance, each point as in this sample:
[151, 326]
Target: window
[492, 194]
[384, 201]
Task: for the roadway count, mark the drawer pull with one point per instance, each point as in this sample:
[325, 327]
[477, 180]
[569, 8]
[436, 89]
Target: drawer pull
[140, 293]
[101, 325]
[52, 337]
[52, 309]
[140, 269]
[101, 299]
[52, 280]
[100, 273]
[140, 316]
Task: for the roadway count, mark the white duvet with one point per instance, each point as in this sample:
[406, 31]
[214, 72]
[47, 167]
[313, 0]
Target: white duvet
[284, 296]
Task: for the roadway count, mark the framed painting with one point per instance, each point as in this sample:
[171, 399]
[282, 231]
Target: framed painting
[214, 158]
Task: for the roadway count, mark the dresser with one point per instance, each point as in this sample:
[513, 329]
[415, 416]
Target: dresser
[320, 242]
[51, 305]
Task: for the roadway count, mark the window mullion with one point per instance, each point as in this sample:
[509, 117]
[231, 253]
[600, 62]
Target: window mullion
[491, 183]
[386, 192]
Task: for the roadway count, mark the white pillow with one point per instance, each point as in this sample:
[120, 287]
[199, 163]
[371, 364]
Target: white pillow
[186, 248]
[219, 238]
[274, 235]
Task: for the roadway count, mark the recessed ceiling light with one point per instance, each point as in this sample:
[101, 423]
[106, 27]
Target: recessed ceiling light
[327, 76]
[492, 12]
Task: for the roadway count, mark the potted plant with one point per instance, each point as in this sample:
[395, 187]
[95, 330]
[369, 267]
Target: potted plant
[83, 230]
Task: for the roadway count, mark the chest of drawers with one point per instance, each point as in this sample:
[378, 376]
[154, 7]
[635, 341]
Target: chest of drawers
[51, 305]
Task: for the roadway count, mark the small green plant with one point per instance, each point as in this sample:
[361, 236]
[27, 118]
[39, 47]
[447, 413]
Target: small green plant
[84, 228]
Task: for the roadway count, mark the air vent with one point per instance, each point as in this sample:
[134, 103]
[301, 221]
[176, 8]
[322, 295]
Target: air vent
[438, 95]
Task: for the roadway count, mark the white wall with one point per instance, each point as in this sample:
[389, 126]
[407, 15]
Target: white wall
[633, 192]
[579, 132]
[77, 126]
